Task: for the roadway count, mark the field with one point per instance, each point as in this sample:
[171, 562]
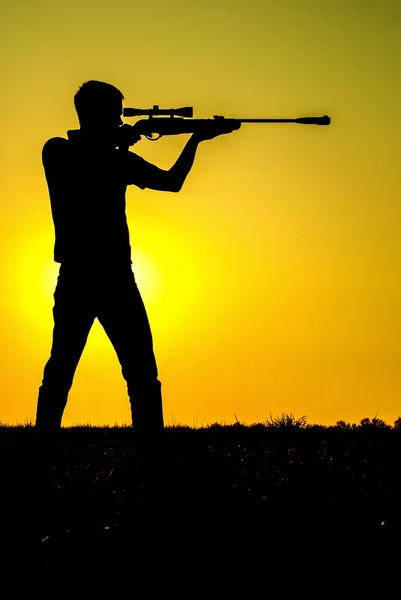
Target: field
[282, 479]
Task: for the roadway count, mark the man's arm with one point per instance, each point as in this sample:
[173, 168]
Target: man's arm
[54, 162]
[179, 171]
[182, 167]
[173, 179]
[146, 175]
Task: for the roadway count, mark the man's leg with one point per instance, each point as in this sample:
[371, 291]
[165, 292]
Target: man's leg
[73, 315]
[123, 316]
[73, 318]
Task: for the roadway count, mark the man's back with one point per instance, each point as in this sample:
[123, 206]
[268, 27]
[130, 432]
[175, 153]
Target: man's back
[87, 188]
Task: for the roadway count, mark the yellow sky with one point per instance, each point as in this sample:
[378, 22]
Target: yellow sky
[272, 280]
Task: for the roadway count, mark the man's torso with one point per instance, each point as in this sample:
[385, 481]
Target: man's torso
[87, 188]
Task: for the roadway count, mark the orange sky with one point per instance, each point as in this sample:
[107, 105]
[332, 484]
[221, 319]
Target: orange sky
[272, 280]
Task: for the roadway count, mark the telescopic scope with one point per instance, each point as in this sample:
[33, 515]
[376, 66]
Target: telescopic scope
[185, 111]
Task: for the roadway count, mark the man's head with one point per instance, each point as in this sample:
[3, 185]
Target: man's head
[99, 106]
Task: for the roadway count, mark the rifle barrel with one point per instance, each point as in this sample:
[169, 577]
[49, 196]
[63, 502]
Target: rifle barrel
[325, 120]
[267, 120]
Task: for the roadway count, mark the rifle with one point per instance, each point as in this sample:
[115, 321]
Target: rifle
[180, 121]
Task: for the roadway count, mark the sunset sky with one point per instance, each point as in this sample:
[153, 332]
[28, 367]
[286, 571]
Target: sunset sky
[272, 280]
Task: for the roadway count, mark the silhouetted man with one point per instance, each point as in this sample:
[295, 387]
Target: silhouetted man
[87, 176]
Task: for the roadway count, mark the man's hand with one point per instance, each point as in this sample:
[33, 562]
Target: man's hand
[127, 135]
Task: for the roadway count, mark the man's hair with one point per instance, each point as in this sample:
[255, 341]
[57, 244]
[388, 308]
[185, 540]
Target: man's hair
[93, 97]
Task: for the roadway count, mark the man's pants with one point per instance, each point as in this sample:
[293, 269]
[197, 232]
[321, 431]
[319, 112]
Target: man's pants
[111, 295]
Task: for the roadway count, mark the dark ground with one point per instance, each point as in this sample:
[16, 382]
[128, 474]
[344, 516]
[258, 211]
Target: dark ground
[228, 490]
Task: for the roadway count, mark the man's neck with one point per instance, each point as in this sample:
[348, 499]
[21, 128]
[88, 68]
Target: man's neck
[96, 138]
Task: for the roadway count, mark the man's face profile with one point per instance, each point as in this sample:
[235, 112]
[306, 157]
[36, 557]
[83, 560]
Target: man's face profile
[112, 116]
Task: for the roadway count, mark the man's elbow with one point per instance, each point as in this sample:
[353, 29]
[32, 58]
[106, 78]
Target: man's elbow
[175, 186]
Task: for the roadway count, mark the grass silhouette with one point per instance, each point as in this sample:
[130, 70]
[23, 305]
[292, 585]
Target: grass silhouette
[278, 478]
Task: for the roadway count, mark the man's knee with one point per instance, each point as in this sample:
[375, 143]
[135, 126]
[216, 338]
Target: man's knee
[149, 387]
[57, 376]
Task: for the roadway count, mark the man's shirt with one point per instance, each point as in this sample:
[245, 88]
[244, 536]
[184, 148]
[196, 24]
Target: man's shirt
[87, 188]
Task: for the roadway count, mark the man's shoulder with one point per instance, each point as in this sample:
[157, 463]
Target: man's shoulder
[53, 150]
[54, 144]
[138, 171]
